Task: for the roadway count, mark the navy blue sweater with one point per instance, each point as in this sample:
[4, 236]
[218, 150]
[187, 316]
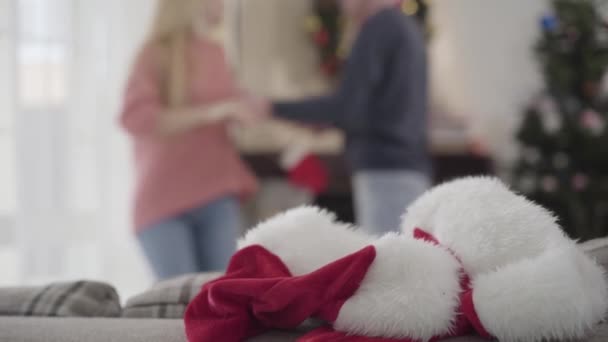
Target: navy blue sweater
[381, 101]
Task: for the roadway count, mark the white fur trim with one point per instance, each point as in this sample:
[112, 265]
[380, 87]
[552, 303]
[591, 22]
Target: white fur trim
[559, 295]
[484, 223]
[306, 239]
[411, 290]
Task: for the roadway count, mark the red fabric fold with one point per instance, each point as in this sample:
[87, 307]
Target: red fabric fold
[468, 321]
[468, 309]
[258, 293]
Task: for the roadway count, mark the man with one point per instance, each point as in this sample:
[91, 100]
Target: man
[381, 105]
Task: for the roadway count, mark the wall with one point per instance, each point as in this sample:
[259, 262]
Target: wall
[484, 64]
[277, 58]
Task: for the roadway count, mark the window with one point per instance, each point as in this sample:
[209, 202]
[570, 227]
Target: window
[64, 171]
[7, 146]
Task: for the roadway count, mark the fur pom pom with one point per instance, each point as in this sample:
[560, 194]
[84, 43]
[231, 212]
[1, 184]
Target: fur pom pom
[411, 291]
[306, 238]
[560, 295]
[484, 223]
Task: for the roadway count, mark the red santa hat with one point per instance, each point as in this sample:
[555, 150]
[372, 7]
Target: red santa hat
[374, 292]
[423, 285]
[304, 169]
[387, 288]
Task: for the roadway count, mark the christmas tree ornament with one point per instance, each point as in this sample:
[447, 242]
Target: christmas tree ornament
[549, 184]
[330, 67]
[593, 122]
[410, 7]
[322, 38]
[312, 24]
[531, 155]
[572, 34]
[548, 113]
[472, 258]
[561, 161]
[551, 122]
[550, 23]
[546, 104]
[342, 52]
[580, 182]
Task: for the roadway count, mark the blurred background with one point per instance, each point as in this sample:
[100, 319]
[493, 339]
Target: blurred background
[516, 91]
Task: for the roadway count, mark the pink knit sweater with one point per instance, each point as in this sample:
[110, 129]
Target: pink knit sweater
[182, 172]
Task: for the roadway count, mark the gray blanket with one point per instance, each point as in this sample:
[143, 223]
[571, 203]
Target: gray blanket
[75, 299]
[167, 299]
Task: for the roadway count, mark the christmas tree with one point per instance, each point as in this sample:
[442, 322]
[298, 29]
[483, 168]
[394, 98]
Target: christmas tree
[563, 136]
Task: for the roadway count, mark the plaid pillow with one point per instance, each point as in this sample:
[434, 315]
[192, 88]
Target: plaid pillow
[167, 299]
[74, 299]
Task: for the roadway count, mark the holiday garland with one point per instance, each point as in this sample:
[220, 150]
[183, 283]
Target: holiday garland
[326, 27]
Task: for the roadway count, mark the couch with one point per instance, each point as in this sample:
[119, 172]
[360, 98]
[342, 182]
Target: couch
[13, 329]
[131, 328]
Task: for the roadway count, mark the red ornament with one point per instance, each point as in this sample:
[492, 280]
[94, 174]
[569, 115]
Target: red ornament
[322, 38]
[593, 121]
[580, 182]
[330, 66]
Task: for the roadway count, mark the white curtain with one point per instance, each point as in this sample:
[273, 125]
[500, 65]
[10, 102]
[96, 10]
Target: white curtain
[64, 164]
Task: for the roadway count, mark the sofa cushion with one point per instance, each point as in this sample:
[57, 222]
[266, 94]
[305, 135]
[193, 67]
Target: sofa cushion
[73, 299]
[143, 330]
[167, 299]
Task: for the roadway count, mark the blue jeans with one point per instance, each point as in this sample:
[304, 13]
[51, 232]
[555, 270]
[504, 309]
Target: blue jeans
[382, 196]
[200, 240]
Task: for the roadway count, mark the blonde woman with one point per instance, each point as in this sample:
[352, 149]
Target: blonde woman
[189, 176]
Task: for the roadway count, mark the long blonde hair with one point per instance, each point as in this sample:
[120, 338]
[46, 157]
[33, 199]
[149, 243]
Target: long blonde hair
[172, 28]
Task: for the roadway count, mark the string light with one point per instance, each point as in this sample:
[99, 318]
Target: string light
[312, 24]
[410, 7]
[342, 52]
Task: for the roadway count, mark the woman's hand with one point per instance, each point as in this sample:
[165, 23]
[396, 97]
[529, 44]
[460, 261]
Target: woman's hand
[181, 120]
[256, 110]
[224, 111]
[247, 110]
